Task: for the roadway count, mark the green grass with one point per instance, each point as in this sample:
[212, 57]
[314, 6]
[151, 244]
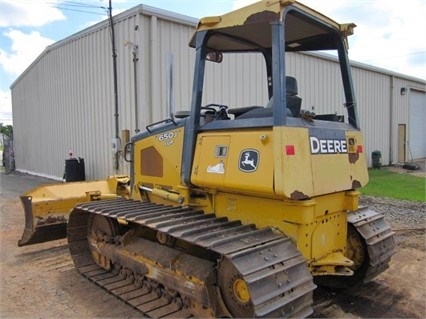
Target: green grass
[384, 183]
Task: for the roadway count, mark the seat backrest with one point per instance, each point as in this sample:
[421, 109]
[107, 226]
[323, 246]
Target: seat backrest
[294, 103]
[291, 85]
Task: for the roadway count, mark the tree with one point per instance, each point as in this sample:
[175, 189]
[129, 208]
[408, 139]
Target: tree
[6, 130]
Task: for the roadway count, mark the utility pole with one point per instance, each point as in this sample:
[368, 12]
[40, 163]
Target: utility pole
[114, 67]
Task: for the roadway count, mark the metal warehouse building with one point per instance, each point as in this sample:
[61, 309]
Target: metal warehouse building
[65, 99]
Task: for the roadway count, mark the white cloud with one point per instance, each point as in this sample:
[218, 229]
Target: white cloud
[24, 49]
[389, 34]
[18, 13]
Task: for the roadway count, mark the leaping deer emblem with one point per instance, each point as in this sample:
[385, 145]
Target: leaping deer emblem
[248, 161]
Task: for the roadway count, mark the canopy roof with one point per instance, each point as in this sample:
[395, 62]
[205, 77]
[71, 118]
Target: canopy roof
[249, 28]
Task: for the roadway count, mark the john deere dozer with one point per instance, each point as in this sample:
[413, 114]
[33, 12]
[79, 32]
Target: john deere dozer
[242, 216]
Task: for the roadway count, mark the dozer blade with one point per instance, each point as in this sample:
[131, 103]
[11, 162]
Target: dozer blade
[47, 207]
[40, 230]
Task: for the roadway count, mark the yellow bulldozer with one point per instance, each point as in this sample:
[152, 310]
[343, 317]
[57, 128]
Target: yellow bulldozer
[239, 216]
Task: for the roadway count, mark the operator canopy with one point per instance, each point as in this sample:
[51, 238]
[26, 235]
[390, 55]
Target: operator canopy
[241, 30]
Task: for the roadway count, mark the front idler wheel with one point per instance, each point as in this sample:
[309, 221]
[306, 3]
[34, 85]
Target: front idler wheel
[234, 290]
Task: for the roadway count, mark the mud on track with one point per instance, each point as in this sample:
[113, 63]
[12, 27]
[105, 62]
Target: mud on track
[40, 280]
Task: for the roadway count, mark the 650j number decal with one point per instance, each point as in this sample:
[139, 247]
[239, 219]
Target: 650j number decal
[167, 138]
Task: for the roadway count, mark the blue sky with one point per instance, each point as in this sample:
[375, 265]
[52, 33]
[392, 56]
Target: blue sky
[389, 33]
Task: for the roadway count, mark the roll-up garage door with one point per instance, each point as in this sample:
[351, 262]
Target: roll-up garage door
[417, 137]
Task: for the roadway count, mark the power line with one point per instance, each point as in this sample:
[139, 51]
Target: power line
[74, 6]
[77, 10]
[80, 4]
[66, 3]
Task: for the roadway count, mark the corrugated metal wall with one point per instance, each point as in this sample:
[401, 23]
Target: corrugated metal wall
[65, 98]
[401, 112]
[319, 83]
[64, 103]
[373, 99]
[237, 81]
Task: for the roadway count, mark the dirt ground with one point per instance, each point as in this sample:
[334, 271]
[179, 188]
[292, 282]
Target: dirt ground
[39, 281]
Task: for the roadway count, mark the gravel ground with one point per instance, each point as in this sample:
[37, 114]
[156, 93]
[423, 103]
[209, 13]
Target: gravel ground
[411, 214]
[407, 219]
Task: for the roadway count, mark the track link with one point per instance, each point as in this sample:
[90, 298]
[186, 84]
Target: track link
[378, 237]
[274, 271]
[149, 302]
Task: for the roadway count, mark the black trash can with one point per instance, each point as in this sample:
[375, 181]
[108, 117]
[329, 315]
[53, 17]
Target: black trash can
[376, 157]
[74, 170]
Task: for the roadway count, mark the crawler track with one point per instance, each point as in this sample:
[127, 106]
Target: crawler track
[378, 237]
[371, 245]
[206, 266]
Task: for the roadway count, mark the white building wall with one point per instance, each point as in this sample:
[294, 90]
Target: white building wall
[401, 112]
[237, 81]
[372, 91]
[319, 82]
[65, 99]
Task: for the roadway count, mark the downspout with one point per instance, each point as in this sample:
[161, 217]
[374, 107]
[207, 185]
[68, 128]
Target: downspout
[392, 88]
[135, 81]
[153, 70]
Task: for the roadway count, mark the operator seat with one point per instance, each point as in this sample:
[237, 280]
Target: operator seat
[294, 103]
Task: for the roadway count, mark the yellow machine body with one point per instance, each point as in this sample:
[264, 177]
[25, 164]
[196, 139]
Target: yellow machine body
[47, 207]
[158, 161]
[302, 194]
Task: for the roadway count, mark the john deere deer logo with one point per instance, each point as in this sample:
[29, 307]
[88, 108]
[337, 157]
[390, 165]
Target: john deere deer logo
[249, 160]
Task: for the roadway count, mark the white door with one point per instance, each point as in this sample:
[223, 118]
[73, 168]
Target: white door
[417, 138]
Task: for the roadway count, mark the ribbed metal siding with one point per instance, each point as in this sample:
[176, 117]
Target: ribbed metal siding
[373, 101]
[237, 81]
[66, 99]
[319, 83]
[401, 111]
[68, 104]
